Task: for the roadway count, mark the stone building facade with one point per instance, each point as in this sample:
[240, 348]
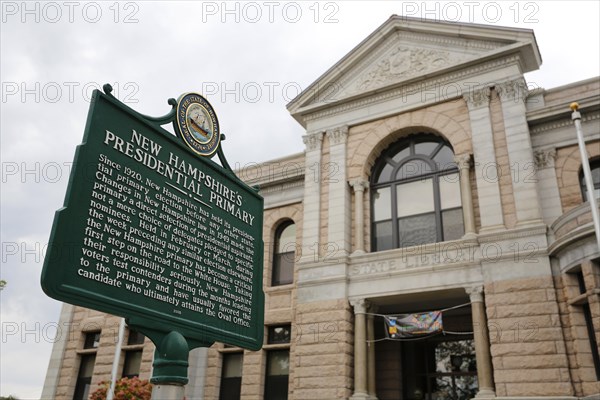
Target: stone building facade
[434, 178]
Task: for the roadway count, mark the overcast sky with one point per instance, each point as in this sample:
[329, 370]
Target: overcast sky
[250, 59]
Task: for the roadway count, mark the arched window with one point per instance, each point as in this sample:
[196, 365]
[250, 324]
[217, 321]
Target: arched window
[595, 167]
[284, 254]
[415, 194]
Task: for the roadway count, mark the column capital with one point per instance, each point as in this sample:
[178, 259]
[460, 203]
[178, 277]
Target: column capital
[477, 97]
[463, 161]
[514, 90]
[313, 141]
[338, 135]
[360, 305]
[359, 184]
[544, 158]
[475, 293]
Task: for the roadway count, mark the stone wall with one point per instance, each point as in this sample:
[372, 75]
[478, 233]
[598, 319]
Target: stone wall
[322, 351]
[527, 342]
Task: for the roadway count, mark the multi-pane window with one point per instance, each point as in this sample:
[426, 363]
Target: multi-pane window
[284, 254]
[135, 337]
[231, 376]
[589, 323]
[84, 377]
[279, 334]
[92, 340]
[278, 371]
[86, 366]
[278, 363]
[133, 354]
[595, 167]
[416, 194]
[132, 363]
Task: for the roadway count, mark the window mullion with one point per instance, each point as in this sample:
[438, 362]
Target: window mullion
[437, 205]
[394, 199]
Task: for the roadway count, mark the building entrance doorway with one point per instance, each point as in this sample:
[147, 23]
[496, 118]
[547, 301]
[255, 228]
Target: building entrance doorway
[436, 366]
[440, 368]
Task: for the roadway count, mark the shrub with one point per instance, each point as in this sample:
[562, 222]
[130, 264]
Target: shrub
[125, 389]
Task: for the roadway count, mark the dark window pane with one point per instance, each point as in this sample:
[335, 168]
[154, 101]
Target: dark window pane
[412, 169]
[84, 377]
[92, 340]
[279, 334]
[133, 361]
[135, 337]
[382, 232]
[416, 230]
[452, 221]
[231, 389]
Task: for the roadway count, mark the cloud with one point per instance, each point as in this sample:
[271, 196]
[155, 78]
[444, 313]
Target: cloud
[151, 51]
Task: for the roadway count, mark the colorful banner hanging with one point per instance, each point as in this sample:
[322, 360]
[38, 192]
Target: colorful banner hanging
[411, 325]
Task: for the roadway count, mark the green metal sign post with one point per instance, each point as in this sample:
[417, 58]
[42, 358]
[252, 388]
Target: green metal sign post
[155, 231]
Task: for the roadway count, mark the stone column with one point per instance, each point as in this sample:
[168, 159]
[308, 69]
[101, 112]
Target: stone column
[520, 152]
[548, 185]
[371, 377]
[484, 153]
[359, 186]
[360, 349]
[464, 166]
[339, 220]
[312, 195]
[482, 344]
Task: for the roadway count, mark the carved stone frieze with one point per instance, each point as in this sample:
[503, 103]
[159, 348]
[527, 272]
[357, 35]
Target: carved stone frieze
[544, 158]
[403, 63]
[475, 293]
[463, 161]
[313, 141]
[359, 185]
[514, 90]
[477, 98]
[338, 135]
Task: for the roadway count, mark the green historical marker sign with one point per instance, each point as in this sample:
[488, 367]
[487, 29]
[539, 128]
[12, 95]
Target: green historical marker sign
[156, 233]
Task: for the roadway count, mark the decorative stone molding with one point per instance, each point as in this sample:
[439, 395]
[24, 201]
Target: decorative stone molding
[313, 141]
[359, 185]
[515, 90]
[553, 125]
[463, 161]
[403, 63]
[544, 158]
[360, 305]
[338, 135]
[477, 98]
[403, 91]
[475, 293]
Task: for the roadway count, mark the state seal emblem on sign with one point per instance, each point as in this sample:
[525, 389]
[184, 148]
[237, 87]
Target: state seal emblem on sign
[198, 124]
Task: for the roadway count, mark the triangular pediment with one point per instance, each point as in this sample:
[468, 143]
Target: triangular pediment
[404, 50]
